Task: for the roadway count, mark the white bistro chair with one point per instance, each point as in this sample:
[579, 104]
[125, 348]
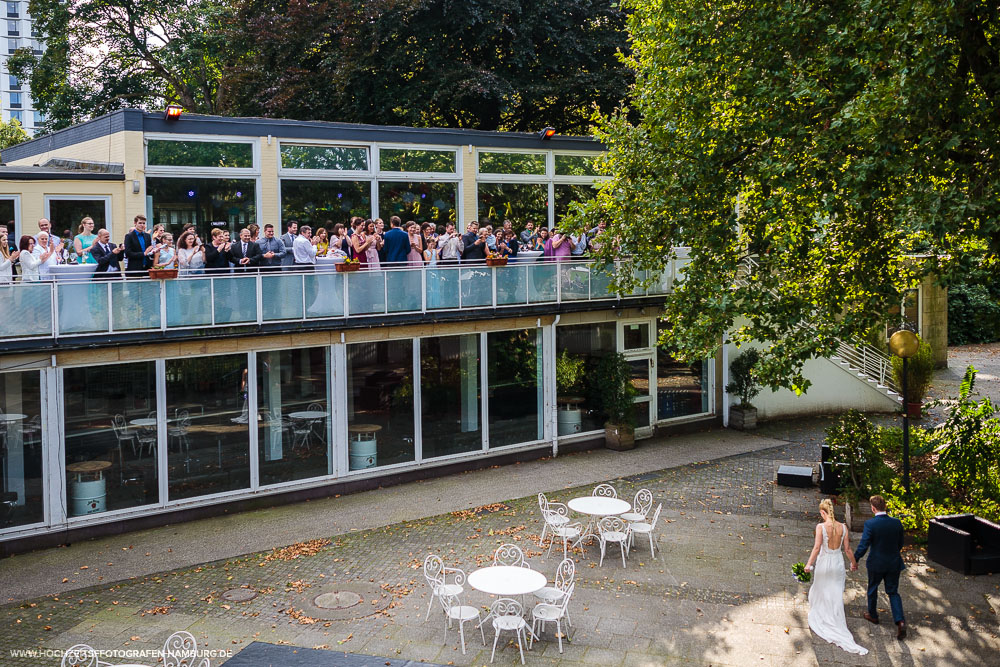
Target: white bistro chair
[646, 528]
[605, 491]
[611, 530]
[181, 650]
[508, 616]
[565, 577]
[436, 575]
[567, 532]
[543, 505]
[547, 613]
[640, 506]
[509, 554]
[454, 610]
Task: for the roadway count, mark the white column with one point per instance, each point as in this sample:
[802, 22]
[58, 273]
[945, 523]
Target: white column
[469, 363]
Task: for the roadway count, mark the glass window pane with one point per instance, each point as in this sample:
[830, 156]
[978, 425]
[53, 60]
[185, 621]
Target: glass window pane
[325, 202]
[420, 202]
[135, 305]
[293, 428]
[380, 403]
[7, 218]
[27, 310]
[636, 336]
[449, 390]
[512, 163]
[575, 165]
[209, 434]
[518, 202]
[22, 500]
[337, 158]
[189, 302]
[515, 386]
[82, 306]
[681, 389]
[579, 349]
[235, 299]
[324, 293]
[169, 153]
[206, 203]
[110, 424]
[66, 214]
[567, 193]
[418, 160]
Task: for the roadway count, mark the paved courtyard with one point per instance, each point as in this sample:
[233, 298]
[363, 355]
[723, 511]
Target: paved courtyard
[718, 591]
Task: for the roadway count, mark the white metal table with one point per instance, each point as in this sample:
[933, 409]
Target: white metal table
[597, 507]
[507, 581]
[311, 416]
[143, 422]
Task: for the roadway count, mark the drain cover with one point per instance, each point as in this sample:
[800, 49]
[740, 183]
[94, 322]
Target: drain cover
[239, 595]
[337, 600]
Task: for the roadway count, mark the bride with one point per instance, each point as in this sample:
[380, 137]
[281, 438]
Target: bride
[826, 595]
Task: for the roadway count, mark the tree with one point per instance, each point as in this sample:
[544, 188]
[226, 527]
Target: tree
[846, 147]
[485, 64]
[103, 55]
[11, 133]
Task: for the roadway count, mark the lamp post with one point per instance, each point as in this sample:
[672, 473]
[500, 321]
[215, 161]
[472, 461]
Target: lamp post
[904, 344]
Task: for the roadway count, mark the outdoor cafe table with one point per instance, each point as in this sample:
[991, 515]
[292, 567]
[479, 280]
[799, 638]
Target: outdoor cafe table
[597, 507]
[507, 581]
[311, 416]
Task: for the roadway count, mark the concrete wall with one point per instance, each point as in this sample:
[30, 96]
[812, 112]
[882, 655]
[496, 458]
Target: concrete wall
[934, 319]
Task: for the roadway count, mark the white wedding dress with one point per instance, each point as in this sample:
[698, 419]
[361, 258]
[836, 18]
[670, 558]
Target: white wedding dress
[826, 597]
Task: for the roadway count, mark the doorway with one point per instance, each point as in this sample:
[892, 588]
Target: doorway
[66, 211]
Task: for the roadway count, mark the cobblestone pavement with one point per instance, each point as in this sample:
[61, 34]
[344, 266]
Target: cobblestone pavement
[718, 591]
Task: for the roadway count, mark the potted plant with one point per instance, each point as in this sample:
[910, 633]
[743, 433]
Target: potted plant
[919, 372]
[348, 265]
[614, 381]
[570, 371]
[496, 259]
[743, 383]
[856, 452]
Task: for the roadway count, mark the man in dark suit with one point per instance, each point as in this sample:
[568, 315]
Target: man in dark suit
[107, 255]
[138, 249]
[396, 242]
[473, 246]
[245, 254]
[884, 534]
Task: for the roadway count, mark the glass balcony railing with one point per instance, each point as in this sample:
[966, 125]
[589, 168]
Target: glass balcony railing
[67, 307]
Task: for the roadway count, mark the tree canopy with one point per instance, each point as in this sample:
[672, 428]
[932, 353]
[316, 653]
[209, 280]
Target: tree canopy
[846, 147]
[11, 133]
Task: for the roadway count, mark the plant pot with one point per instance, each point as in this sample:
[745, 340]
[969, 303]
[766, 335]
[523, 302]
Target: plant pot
[162, 274]
[913, 409]
[496, 261]
[619, 437]
[855, 515]
[743, 419]
[347, 267]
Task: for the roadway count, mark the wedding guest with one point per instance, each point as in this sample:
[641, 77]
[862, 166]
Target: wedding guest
[8, 228]
[107, 256]
[254, 232]
[288, 238]
[341, 242]
[45, 226]
[477, 249]
[217, 253]
[396, 242]
[138, 249]
[431, 252]
[322, 241]
[190, 254]
[360, 243]
[508, 245]
[427, 231]
[470, 243]
[491, 239]
[374, 258]
[47, 254]
[528, 236]
[415, 256]
[304, 250]
[543, 236]
[83, 240]
[245, 254]
[7, 258]
[380, 230]
[450, 244]
[166, 255]
[158, 231]
[558, 247]
[578, 245]
[272, 250]
[29, 260]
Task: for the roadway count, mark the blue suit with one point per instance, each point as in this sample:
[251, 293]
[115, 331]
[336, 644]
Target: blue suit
[397, 245]
[884, 535]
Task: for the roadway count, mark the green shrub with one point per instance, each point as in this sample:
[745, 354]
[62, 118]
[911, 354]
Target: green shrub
[919, 372]
[856, 449]
[614, 381]
[973, 315]
[743, 376]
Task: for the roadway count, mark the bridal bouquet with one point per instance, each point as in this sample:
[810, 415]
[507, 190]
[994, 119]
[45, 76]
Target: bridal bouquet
[799, 570]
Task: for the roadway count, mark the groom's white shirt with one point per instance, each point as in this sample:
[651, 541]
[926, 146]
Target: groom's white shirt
[881, 514]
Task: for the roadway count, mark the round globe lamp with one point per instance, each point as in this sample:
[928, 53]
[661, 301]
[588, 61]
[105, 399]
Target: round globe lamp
[904, 344]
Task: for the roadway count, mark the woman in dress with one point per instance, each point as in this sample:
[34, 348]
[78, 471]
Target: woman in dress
[190, 254]
[360, 243]
[30, 261]
[826, 595]
[7, 259]
[166, 255]
[371, 231]
[323, 242]
[543, 236]
[84, 240]
[341, 241]
[415, 257]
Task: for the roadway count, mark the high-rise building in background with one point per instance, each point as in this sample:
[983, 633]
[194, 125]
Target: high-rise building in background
[15, 95]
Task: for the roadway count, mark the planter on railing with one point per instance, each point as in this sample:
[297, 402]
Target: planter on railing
[496, 261]
[347, 267]
[162, 274]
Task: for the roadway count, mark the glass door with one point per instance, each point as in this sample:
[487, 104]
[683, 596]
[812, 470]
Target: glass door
[643, 380]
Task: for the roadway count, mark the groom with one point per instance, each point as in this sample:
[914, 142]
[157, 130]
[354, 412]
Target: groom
[884, 535]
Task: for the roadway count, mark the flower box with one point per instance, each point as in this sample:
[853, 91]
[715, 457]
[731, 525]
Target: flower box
[162, 274]
[343, 267]
[496, 261]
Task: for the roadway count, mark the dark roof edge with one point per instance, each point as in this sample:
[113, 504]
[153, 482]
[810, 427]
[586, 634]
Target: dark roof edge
[57, 175]
[145, 121]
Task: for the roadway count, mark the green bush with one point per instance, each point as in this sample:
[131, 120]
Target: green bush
[744, 381]
[973, 315]
[856, 449]
[614, 381]
[919, 372]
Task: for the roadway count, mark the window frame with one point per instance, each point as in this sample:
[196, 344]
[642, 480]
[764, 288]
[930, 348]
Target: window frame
[326, 174]
[195, 172]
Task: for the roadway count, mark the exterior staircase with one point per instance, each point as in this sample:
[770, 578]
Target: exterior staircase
[868, 364]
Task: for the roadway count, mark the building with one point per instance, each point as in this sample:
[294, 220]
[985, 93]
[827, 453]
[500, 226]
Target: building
[15, 96]
[130, 403]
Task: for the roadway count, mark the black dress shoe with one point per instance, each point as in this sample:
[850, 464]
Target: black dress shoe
[870, 618]
[901, 630]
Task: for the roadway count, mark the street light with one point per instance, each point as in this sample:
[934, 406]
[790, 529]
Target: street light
[904, 344]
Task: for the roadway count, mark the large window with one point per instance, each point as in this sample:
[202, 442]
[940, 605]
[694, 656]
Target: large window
[515, 386]
[324, 202]
[511, 163]
[335, 158]
[417, 160]
[8, 211]
[380, 403]
[575, 165]
[226, 154]
[204, 202]
[681, 389]
[208, 417]
[421, 202]
[111, 440]
[66, 214]
[517, 202]
[293, 388]
[449, 395]
[21, 489]
[580, 348]
[568, 193]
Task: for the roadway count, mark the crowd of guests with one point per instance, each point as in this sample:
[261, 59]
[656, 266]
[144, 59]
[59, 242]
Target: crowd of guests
[365, 241]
